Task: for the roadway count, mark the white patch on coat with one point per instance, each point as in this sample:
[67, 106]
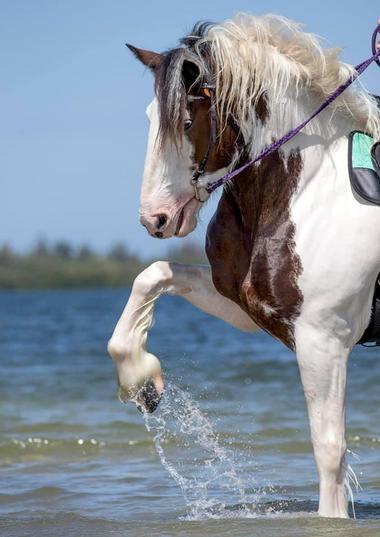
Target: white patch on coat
[167, 170]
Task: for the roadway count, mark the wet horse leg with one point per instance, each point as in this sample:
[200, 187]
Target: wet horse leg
[127, 346]
[323, 366]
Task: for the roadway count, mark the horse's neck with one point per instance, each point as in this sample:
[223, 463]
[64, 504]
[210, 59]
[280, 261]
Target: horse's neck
[262, 194]
[286, 113]
[265, 193]
[295, 107]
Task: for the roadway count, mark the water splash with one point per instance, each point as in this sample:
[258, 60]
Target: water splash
[191, 452]
[351, 482]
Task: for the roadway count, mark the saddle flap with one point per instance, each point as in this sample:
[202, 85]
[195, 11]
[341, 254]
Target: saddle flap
[372, 332]
[364, 166]
[375, 154]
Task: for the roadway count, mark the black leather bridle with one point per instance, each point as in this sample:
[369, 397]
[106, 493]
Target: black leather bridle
[200, 193]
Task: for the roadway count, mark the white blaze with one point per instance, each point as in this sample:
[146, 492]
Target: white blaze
[166, 181]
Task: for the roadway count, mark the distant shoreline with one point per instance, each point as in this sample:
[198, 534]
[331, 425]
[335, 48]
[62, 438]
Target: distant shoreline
[63, 267]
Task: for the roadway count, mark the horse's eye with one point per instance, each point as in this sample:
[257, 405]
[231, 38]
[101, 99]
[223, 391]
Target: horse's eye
[187, 124]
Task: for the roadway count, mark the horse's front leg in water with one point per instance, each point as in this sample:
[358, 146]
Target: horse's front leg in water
[139, 372]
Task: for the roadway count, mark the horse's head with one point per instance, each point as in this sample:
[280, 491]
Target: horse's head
[182, 139]
[262, 73]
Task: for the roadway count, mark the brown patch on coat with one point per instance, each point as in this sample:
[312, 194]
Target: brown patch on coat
[223, 151]
[229, 138]
[251, 249]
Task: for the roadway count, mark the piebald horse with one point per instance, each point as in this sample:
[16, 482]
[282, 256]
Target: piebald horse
[292, 250]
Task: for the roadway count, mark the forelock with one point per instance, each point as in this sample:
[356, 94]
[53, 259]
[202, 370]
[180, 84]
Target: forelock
[170, 87]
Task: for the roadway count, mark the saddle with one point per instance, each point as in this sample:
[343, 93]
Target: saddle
[364, 166]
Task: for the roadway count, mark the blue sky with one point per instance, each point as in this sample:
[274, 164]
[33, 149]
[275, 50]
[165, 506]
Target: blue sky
[72, 107]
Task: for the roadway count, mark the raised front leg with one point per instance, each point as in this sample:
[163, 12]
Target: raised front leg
[139, 372]
[323, 365]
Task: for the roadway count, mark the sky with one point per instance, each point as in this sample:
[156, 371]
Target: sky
[73, 127]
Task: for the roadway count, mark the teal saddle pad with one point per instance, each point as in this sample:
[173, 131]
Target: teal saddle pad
[364, 166]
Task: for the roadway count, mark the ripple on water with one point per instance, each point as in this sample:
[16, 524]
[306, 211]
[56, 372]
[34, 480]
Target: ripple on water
[236, 453]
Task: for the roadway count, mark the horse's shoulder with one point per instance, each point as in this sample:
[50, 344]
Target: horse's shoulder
[253, 260]
[227, 248]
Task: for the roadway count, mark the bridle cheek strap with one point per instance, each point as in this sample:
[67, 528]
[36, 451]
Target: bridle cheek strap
[200, 192]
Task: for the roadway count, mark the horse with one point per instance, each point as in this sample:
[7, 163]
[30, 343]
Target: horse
[292, 249]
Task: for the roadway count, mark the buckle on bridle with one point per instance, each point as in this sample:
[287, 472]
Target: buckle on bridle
[196, 175]
[200, 192]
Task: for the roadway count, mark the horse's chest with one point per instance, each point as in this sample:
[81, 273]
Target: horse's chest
[250, 245]
[269, 291]
[259, 273]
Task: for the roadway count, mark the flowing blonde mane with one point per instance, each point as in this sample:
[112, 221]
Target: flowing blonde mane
[256, 55]
[267, 58]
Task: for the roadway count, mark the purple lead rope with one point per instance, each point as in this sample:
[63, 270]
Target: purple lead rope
[359, 69]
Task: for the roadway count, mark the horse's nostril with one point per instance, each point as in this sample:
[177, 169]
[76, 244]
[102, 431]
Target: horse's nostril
[161, 221]
[158, 235]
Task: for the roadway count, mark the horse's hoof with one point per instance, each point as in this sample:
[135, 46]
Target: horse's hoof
[148, 397]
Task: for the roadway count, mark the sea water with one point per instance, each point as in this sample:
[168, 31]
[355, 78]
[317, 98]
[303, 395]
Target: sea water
[226, 453]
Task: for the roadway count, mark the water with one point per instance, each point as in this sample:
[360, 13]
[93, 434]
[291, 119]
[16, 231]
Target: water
[227, 452]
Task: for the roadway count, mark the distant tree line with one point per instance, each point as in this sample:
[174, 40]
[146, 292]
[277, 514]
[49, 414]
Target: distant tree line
[64, 250]
[61, 264]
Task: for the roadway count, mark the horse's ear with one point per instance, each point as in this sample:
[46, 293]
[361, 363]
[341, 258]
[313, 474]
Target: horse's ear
[147, 57]
[190, 73]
